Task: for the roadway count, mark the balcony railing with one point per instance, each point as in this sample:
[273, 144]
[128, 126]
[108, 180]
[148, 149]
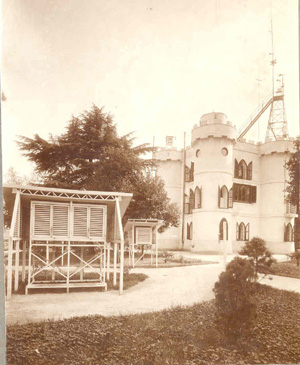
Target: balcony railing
[291, 209]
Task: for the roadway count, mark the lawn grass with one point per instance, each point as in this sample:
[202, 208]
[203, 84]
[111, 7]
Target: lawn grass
[288, 268]
[175, 336]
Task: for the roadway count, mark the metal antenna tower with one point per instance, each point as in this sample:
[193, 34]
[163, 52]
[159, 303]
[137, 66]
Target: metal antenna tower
[277, 124]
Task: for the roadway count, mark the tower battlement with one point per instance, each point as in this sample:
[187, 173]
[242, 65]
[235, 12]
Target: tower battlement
[214, 125]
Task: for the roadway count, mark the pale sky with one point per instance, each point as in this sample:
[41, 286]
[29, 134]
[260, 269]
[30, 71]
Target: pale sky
[156, 65]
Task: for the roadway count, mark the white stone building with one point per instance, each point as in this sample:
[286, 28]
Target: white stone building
[227, 190]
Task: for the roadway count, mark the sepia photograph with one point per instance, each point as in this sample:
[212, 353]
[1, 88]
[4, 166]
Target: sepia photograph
[150, 182]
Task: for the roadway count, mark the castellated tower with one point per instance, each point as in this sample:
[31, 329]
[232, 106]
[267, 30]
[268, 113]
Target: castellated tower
[228, 190]
[212, 154]
[170, 169]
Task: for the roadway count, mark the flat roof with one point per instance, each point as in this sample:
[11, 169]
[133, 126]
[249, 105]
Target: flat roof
[30, 192]
[142, 222]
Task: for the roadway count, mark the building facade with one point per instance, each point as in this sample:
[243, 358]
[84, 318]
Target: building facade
[228, 190]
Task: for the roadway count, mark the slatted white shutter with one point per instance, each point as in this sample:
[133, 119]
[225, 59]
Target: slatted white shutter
[60, 221]
[96, 222]
[42, 221]
[80, 221]
[144, 235]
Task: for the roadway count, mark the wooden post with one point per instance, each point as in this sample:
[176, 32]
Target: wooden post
[9, 268]
[68, 268]
[104, 261]
[52, 259]
[132, 244]
[29, 266]
[81, 264]
[24, 261]
[156, 248]
[115, 263]
[14, 221]
[62, 252]
[122, 246]
[108, 260]
[47, 259]
[17, 262]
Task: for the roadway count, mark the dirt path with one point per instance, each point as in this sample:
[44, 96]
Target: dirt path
[165, 287]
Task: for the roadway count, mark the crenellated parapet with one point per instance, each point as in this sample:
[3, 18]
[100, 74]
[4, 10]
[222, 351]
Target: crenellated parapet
[168, 154]
[214, 125]
[281, 145]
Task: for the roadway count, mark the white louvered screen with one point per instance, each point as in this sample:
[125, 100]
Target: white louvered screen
[143, 235]
[96, 222]
[60, 220]
[17, 228]
[80, 221]
[42, 220]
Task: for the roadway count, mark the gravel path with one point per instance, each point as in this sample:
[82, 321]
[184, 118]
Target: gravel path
[165, 287]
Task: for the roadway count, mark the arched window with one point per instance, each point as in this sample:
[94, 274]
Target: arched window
[186, 174]
[249, 171]
[191, 231]
[186, 204]
[192, 172]
[197, 198]
[236, 168]
[242, 232]
[242, 170]
[192, 200]
[247, 232]
[230, 198]
[288, 237]
[223, 229]
[223, 197]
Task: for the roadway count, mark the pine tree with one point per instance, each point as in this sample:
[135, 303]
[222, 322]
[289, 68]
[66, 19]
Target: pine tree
[90, 155]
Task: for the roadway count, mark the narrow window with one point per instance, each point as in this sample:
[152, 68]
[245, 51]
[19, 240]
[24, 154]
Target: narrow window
[197, 198]
[249, 171]
[289, 233]
[187, 231]
[237, 232]
[242, 232]
[192, 201]
[223, 226]
[242, 174]
[230, 198]
[224, 197]
[247, 231]
[192, 172]
[191, 231]
[236, 169]
[186, 174]
[186, 204]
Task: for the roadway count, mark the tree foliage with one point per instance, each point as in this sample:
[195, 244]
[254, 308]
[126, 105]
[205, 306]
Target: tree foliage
[293, 165]
[259, 256]
[293, 188]
[234, 303]
[90, 155]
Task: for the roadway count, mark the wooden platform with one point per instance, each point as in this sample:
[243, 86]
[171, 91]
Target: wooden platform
[57, 285]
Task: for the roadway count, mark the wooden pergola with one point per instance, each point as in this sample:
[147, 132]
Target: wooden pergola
[65, 235]
[142, 234]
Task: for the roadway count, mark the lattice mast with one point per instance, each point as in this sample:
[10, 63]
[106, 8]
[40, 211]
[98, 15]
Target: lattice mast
[277, 124]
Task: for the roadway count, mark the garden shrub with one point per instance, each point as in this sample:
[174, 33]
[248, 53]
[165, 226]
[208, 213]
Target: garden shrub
[259, 255]
[295, 256]
[235, 309]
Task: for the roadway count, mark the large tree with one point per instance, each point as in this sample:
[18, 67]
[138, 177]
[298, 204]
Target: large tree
[293, 188]
[90, 155]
